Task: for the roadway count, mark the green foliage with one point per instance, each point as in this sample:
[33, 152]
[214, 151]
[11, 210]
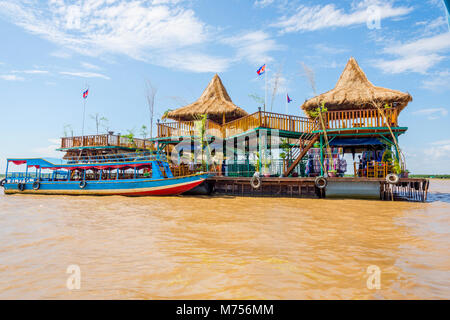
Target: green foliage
[130, 137]
[320, 109]
[144, 131]
[396, 168]
[285, 146]
[258, 162]
[165, 114]
[387, 156]
[259, 101]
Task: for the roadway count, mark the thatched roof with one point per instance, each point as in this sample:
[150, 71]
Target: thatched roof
[214, 101]
[354, 91]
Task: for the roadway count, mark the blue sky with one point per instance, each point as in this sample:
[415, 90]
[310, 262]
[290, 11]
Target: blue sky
[51, 49]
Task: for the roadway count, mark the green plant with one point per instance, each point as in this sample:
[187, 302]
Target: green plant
[319, 110]
[396, 168]
[285, 146]
[200, 128]
[165, 114]
[144, 131]
[258, 162]
[130, 137]
[387, 156]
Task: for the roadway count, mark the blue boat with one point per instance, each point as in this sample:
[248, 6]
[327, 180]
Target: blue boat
[133, 174]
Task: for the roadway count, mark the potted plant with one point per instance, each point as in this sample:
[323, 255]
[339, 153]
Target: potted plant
[332, 173]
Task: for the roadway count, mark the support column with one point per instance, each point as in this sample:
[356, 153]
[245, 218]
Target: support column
[321, 156]
[7, 166]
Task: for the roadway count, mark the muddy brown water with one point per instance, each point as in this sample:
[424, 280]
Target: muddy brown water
[224, 247]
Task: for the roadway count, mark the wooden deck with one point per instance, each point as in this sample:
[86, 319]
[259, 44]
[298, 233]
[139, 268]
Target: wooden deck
[334, 120]
[106, 140]
[407, 189]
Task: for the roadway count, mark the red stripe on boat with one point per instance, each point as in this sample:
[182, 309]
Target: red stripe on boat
[165, 191]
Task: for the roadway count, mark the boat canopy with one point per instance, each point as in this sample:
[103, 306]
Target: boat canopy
[56, 164]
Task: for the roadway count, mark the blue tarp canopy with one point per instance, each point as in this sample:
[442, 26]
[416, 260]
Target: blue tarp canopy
[41, 162]
[340, 142]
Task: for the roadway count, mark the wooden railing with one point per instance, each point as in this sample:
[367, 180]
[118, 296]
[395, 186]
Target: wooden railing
[104, 140]
[360, 118]
[187, 128]
[261, 119]
[270, 120]
[176, 129]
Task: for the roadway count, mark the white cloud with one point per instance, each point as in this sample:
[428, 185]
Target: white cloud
[328, 16]
[85, 74]
[438, 81]
[416, 56]
[263, 3]
[440, 150]
[50, 150]
[325, 48]
[253, 46]
[432, 113]
[195, 62]
[34, 71]
[436, 25]
[11, 77]
[90, 66]
[140, 29]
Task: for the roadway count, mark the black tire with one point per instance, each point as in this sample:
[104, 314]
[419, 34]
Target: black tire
[2, 183]
[36, 185]
[321, 182]
[392, 178]
[21, 186]
[83, 184]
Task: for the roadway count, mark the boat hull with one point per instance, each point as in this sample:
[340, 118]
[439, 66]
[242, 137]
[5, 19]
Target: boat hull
[131, 187]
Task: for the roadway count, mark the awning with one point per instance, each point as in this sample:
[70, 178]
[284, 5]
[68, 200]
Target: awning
[342, 142]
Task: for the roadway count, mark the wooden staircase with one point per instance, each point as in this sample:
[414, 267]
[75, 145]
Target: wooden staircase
[305, 142]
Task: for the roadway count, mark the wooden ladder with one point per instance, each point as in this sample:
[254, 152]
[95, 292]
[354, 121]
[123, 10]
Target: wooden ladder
[306, 141]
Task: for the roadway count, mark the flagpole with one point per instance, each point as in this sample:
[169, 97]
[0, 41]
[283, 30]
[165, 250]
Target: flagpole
[84, 116]
[265, 89]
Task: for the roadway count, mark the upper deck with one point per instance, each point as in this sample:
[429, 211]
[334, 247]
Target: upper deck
[105, 140]
[351, 121]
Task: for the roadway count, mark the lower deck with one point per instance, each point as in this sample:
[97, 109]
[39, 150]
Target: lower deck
[407, 189]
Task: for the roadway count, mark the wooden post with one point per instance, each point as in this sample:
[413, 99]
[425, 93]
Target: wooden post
[259, 115]
[321, 155]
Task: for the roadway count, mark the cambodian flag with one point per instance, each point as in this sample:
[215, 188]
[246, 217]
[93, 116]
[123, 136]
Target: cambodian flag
[85, 93]
[261, 70]
[288, 99]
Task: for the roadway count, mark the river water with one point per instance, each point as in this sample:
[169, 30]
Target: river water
[224, 247]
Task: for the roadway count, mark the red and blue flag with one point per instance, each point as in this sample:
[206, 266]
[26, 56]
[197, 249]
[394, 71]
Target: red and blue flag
[85, 93]
[288, 99]
[261, 70]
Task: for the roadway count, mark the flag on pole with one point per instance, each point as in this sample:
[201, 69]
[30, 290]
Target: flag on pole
[287, 98]
[85, 93]
[261, 70]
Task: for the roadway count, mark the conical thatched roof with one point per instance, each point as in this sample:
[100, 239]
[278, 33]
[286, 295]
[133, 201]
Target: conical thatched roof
[214, 101]
[354, 91]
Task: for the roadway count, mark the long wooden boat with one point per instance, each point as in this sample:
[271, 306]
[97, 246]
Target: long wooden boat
[131, 175]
